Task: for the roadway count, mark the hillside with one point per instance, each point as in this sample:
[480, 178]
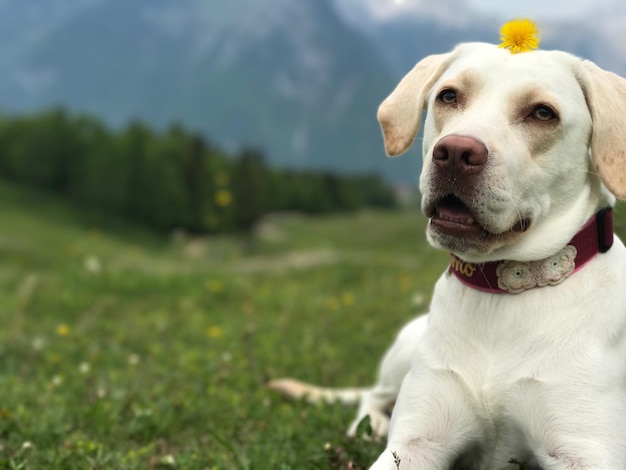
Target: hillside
[288, 77]
[124, 350]
[300, 80]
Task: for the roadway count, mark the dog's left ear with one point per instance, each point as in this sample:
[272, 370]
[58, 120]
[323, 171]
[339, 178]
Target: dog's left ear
[605, 93]
[400, 114]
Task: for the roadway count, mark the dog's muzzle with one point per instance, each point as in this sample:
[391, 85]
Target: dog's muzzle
[456, 220]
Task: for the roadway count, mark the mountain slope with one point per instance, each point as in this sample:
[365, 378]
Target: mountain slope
[289, 77]
[301, 80]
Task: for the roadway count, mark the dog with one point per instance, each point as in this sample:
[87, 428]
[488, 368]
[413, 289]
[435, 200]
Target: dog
[522, 356]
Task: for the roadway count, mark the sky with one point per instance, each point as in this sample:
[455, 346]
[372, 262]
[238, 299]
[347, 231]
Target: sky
[540, 9]
[607, 17]
[535, 9]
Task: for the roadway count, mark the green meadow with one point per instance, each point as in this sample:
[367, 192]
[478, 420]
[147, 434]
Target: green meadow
[123, 350]
[120, 349]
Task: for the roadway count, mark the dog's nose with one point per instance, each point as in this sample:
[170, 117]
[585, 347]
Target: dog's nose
[460, 154]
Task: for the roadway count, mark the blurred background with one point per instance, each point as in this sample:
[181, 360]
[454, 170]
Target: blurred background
[269, 84]
[194, 199]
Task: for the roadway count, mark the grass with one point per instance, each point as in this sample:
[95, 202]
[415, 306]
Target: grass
[122, 350]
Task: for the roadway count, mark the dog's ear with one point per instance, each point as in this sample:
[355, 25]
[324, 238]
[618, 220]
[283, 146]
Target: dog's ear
[606, 98]
[400, 114]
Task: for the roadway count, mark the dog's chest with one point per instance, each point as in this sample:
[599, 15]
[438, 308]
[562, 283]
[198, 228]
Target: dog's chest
[523, 357]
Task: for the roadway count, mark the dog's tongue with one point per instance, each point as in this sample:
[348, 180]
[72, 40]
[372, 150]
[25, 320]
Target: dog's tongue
[453, 210]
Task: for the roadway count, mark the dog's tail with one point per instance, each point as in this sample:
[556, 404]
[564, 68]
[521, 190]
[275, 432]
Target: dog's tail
[295, 389]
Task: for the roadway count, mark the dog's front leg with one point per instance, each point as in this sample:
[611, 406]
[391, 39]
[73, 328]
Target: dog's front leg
[377, 401]
[436, 424]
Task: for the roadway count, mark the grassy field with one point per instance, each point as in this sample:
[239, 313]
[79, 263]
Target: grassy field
[122, 350]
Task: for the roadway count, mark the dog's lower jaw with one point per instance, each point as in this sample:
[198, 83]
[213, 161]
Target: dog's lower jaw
[471, 243]
[465, 227]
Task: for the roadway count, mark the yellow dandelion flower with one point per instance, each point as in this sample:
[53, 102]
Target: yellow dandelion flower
[519, 35]
[347, 299]
[214, 331]
[63, 330]
[214, 286]
[223, 198]
[404, 281]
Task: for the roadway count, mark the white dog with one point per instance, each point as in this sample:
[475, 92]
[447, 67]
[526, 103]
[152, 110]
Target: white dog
[523, 355]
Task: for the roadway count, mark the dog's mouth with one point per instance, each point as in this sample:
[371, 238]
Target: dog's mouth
[451, 218]
[451, 214]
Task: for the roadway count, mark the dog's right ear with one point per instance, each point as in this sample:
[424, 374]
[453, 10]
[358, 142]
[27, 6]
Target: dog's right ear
[400, 114]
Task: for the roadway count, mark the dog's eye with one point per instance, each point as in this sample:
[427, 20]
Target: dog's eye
[447, 96]
[543, 113]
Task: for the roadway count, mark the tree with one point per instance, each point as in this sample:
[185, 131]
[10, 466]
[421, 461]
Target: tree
[249, 175]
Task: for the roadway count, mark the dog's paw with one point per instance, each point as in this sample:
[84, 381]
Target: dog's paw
[376, 429]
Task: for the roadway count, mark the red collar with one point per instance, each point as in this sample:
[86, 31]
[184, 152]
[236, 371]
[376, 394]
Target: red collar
[513, 277]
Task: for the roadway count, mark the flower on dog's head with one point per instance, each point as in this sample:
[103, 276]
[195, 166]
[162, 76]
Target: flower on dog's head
[519, 36]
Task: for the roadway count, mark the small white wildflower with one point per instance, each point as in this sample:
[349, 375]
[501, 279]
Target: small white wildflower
[38, 343]
[143, 412]
[119, 394]
[418, 299]
[227, 356]
[101, 392]
[27, 445]
[92, 264]
[84, 367]
[168, 460]
[57, 380]
[133, 359]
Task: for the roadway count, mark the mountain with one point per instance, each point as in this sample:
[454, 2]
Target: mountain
[287, 76]
[299, 79]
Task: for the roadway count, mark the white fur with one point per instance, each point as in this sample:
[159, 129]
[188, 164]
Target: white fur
[540, 376]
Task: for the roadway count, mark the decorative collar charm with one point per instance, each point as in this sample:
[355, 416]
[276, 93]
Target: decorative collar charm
[513, 277]
[519, 36]
[517, 276]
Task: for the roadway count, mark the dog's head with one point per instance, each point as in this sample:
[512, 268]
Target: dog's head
[518, 150]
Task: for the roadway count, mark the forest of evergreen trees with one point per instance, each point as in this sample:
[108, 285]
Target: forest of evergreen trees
[168, 180]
